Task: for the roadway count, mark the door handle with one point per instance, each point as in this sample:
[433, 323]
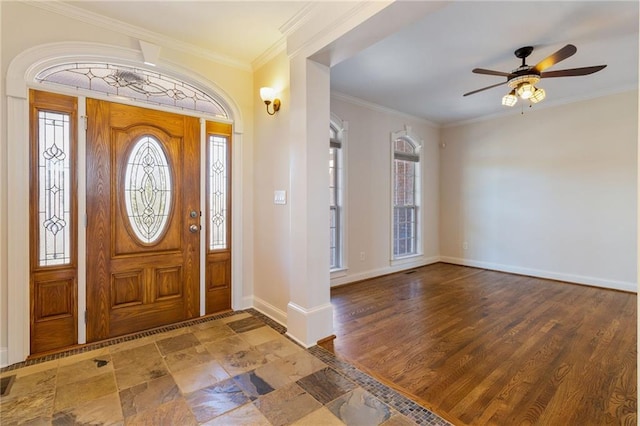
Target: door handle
[194, 228]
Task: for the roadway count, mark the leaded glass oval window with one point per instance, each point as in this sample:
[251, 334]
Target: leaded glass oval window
[147, 189]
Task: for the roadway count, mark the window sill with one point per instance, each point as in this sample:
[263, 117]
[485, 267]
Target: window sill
[414, 258]
[338, 273]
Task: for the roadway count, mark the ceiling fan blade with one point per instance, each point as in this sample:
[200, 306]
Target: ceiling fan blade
[554, 58]
[490, 72]
[572, 72]
[484, 88]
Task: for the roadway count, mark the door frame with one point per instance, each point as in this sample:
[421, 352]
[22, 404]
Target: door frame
[20, 78]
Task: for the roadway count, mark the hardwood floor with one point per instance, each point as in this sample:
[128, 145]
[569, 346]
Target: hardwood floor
[481, 347]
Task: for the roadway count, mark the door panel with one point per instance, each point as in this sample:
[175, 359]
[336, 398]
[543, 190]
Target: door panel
[142, 184]
[218, 282]
[54, 312]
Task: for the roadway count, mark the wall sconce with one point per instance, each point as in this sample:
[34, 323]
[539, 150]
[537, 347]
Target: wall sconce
[268, 96]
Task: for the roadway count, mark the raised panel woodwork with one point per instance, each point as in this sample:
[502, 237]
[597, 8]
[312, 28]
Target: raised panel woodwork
[218, 274]
[127, 289]
[54, 310]
[53, 299]
[168, 283]
[218, 283]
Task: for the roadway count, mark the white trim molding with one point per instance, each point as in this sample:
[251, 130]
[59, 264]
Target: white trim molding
[379, 108]
[305, 325]
[278, 315]
[3, 357]
[410, 263]
[539, 273]
[18, 322]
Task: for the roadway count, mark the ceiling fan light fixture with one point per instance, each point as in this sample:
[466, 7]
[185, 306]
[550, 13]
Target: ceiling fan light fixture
[526, 90]
[538, 96]
[510, 99]
[522, 80]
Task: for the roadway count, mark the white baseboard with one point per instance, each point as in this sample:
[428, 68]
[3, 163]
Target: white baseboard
[246, 303]
[571, 278]
[4, 361]
[419, 261]
[309, 325]
[271, 311]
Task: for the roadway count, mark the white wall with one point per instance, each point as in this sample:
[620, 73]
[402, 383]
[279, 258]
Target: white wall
[271, 172]
[550, 193]
[368, 192]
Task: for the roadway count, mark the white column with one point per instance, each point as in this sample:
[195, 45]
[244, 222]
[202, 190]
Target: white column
[309, 312]
[18, 229]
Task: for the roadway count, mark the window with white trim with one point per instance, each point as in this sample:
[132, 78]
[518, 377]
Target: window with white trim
[335, 199]
[406, 195]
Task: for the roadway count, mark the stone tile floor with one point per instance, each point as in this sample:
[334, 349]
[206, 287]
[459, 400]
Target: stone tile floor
[233, 369]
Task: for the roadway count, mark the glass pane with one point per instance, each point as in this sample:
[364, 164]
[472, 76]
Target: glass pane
[333, 238]
[54, 188]
[218, 175]
[403, 145]
[147, 189]
[133, 83]
[404, 182]
[405, 229]
[333, 177]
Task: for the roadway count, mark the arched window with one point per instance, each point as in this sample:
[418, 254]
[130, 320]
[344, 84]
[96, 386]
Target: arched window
[133, 83]
[406, 195]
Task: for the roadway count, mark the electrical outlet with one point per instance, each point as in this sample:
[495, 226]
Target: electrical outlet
[465, 246]
[362, 257]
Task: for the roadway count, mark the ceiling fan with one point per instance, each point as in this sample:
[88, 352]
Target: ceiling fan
[523, 79]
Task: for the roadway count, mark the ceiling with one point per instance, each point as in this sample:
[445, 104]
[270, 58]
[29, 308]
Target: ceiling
[239, 31]
[423, 69]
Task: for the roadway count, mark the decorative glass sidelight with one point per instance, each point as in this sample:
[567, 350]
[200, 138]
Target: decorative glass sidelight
[147, 189]
[218, 174]
[54, 188]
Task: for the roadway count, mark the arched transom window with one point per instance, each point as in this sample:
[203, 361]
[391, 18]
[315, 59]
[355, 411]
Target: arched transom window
[132, 83]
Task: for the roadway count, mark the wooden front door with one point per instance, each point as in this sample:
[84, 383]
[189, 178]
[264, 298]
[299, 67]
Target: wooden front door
[143, 219]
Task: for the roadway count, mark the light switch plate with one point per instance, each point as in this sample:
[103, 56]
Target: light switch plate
[279, 197]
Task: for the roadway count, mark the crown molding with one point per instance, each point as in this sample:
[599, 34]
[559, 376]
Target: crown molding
[297, 20]
[328, 32]
[269, 54]
[543, 105]
[379, 108]
[289, 27]
[74, 12]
